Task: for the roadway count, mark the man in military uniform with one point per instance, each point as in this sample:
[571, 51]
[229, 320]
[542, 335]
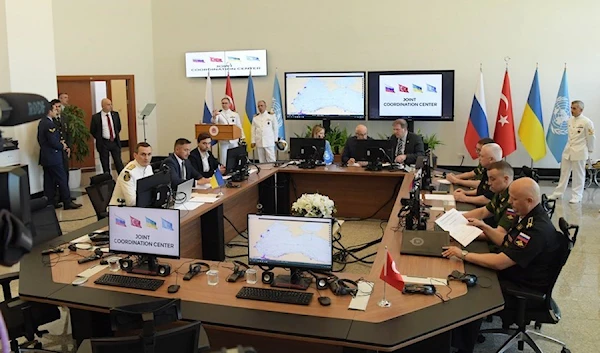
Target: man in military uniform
[498, 213]
[579, 148]
[490, 153]
[264, 134]
[471, 179]
[527, 256]
[65, 136]
[51, 160]
[136, 169]
[227, 117]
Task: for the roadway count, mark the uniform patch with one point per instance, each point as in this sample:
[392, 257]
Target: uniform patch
[522, 240]
[52, 130]
[131, 166]
[510, 213]
[590, 131]
[529, 223]
[126, 176]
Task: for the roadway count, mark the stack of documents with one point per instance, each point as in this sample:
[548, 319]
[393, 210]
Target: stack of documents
[457, 225]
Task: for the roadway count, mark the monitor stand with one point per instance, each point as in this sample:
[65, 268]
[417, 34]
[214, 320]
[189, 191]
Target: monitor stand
[146, 265]
[292, 281]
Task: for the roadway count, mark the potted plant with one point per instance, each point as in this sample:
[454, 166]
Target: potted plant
[80, 135]
[431, 142]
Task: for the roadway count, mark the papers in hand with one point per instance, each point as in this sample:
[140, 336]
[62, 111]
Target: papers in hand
[439, 197]
[457, 225]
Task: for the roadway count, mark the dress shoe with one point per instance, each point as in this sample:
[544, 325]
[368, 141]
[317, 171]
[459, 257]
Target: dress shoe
[73, 198]
[574, 201]
[72, 205]
[58, 205]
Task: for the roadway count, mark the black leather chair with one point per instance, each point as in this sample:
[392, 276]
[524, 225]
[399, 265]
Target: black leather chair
[44, 223]
[548, 205]
[536, 306]
[100, 191]
[530, 173]
[156, 162]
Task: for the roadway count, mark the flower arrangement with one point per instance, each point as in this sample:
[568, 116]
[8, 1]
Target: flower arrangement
[313, 205]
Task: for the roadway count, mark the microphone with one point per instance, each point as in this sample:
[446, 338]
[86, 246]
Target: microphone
[22, 108]
[386, 155]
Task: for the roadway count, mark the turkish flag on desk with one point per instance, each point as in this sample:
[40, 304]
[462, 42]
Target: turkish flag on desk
[504, 133]
[390, 274]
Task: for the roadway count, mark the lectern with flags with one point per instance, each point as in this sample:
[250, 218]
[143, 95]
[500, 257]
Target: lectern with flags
[391, 276]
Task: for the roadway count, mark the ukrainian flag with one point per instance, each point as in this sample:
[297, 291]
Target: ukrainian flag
[217, 179]
[417, 88]
[531, 129]
[151, 223]
[250, 112]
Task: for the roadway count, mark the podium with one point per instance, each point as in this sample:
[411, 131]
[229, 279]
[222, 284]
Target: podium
[220, 132]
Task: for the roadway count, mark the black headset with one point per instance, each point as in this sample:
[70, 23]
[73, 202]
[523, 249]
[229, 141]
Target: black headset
[343, 287]
[196, 267]
[469, 279]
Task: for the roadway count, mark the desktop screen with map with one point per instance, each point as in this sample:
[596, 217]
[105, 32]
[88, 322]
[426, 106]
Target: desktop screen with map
[295, 242]
[325, 95]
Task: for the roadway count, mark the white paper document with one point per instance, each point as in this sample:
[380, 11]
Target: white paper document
[425, 280]
[444, 181]
[439, 197]
[202, 187]
[204, 198]
[360, 301]
[457, 225]
[188, 206]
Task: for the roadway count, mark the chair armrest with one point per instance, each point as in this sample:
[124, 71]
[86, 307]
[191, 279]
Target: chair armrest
[526, 294]
[16, 303]
[5, 280]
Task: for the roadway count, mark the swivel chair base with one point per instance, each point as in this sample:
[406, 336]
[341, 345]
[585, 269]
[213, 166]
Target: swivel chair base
[521, 338]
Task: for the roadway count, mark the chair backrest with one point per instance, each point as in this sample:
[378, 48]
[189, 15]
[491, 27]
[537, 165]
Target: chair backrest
[567, 242]
[44, 223]
[183, 339]
[145, 315]
[548, 205]
[530, 173]
[100, 178]
[100, 195]
[156, 162]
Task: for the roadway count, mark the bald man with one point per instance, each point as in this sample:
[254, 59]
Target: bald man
[349, 154]
[105, 128]
[526, 257]
[490, 153]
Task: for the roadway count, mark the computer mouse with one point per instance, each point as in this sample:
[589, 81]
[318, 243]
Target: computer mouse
[325, 301]
[173, 288]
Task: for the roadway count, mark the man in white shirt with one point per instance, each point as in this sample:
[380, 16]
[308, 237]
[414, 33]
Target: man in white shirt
[580, 145]
[135, 170]
[264, 133]
[227, 117]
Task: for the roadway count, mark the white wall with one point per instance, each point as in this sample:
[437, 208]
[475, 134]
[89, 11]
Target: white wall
[384, 35]
[110, 37]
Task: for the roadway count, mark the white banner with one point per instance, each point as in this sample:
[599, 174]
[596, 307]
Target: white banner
[219, 63]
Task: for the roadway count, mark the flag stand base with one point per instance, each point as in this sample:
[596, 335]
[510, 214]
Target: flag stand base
[384, 303]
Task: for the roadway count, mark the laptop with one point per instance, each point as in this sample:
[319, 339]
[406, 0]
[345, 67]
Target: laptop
[424, 242]
[184, 192]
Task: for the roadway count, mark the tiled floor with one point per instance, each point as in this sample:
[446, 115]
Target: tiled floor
[577, 291]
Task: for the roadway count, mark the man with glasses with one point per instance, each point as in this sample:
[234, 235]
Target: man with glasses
[406, 146]
[349, 154]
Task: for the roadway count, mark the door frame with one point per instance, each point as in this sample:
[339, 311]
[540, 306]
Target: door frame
[131, 109]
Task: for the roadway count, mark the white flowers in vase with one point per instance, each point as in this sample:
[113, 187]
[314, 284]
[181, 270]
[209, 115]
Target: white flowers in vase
[313, 205]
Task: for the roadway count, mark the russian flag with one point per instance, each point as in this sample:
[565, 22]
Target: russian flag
[477, 126]
[208, 102]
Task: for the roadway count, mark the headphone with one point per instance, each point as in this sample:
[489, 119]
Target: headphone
[342, 287]
[196, 267]
[469, 279]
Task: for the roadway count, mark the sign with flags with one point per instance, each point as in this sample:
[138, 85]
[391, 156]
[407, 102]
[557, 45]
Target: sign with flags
[477, 126]
[531, 129]
[277, 110]
[504, 133]
[557, 132]
[390, 275]
[229, 93]
[216, 180]
[208, 102]
[250, 112]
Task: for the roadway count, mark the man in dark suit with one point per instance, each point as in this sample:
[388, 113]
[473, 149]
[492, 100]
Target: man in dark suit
[180, 167]
[202, 158]
[105, 127]
[349, 153]
[406, 146]
[51, 160]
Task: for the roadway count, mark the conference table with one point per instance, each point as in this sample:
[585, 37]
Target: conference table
[412, 323]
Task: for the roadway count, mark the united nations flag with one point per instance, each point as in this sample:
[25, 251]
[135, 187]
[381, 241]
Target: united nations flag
[557, 133]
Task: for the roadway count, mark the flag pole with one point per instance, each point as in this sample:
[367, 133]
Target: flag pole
[384, 303]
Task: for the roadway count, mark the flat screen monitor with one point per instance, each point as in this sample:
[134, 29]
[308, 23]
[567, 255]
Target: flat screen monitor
[307, 148]
[411, 95]
[154, 190]
[374, 150]
[291, 242]
[144, 231]
[325, 95]
[237, 159]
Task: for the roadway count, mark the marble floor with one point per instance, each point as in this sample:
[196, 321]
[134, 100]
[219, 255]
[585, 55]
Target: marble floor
[577, 291]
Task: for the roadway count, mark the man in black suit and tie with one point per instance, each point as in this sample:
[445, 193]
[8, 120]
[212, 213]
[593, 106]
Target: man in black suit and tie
[51, 159]
[180, 167]
[202, 158]
[105, 127]
[406, 146]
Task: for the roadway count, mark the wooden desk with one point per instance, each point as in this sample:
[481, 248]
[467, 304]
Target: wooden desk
[415, 321]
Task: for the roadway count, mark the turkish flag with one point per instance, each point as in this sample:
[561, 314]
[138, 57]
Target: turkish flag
[390, 274]
[229, 92]
[504, 133]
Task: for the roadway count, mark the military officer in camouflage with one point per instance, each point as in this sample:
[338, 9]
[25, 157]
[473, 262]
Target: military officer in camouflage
[471, 179]
[498, 210]
[136, 169]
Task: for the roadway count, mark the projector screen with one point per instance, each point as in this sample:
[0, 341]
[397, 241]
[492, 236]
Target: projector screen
[412, 95]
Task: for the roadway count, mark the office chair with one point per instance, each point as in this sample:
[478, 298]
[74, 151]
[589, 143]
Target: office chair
[100, 191]
[156, 162]
[44, 223]
[548, 205]
[530, 173]
[536, 306]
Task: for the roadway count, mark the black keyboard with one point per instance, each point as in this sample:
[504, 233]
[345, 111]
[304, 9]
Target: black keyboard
[130, 282]
[274, 295]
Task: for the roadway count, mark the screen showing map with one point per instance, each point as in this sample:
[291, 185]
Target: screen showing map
[325, 95]
[282, 241]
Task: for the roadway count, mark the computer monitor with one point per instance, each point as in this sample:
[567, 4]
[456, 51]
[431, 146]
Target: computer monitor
[309, 150]
[376, 152]
[147, 232]
[297, 243]
[237, 163]
[154, 190]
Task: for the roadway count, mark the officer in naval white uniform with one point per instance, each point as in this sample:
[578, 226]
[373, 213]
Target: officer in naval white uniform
[580, 145]
[264, 133]
[227, 117]
[136, 169]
